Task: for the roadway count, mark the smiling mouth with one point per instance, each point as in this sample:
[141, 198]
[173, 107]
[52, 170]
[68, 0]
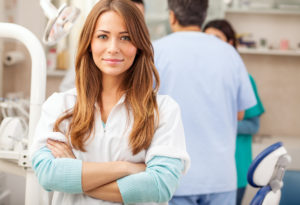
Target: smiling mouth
[109, 60]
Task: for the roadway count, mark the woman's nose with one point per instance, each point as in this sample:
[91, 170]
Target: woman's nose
[113, 46]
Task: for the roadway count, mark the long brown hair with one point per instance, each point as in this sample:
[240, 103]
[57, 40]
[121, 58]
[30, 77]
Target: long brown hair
[140, 83]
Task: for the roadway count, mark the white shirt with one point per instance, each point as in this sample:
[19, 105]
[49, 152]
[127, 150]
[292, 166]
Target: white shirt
[111, 143]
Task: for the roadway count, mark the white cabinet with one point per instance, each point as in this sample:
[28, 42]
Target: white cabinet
[273, 25]
[263, 11]
[272, 52]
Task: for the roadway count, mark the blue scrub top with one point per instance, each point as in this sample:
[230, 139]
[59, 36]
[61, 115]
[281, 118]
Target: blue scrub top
[209, 81]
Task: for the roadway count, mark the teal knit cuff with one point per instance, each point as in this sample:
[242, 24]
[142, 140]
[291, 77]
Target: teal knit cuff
[61, 174]
[157, 184]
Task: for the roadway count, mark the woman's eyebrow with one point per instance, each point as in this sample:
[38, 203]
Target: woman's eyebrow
[104, 31]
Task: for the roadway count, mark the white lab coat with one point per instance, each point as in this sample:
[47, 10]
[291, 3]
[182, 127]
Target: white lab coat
[111, 143]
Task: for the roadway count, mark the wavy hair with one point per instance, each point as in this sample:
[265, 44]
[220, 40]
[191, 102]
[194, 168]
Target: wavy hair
[140, 83]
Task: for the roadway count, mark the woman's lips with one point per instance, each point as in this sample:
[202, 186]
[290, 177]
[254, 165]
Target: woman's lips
[113, 60]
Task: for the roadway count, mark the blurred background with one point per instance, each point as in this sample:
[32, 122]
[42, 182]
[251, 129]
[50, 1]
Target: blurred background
[269, 36]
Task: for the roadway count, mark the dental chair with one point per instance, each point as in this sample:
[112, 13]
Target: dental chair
[266, 172]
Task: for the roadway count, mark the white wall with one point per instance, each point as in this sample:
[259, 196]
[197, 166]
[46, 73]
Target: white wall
[277, 77]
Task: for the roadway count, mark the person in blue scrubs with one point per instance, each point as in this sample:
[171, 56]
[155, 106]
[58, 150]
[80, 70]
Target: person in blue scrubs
[208, 79]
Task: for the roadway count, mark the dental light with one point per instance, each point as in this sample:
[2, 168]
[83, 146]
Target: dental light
[60, 21]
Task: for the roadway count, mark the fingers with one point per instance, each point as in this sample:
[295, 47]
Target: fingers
[59, 145]
[60, 149]
[54, 151]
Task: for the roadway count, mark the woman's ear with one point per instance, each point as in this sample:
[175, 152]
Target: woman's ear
[231, 42]
[172, 18]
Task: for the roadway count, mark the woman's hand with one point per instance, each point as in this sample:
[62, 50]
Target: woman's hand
[60, 149]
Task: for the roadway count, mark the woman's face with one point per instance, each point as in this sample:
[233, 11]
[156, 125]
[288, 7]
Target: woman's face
[216, 32]
[111, 46]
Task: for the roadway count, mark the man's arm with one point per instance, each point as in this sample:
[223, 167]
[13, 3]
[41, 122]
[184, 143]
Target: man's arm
[241, 115]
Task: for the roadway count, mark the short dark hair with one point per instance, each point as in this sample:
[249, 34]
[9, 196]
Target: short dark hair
[225, 27]
[138, 1]
[189, 12]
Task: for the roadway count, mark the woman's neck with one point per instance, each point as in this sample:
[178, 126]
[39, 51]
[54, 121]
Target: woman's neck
[110, 84]
[111, 89]
[179, 28]
[111, 94]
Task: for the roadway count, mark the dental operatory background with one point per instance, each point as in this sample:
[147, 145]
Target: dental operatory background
[268, 32]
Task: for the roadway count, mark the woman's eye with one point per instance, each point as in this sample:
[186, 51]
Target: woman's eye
[126, 38]
[102, 36]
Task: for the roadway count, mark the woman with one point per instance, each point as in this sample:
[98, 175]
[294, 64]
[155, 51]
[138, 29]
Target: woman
[92, 143]
[250, 124]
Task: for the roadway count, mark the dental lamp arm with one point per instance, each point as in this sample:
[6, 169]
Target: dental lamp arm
[49, 9]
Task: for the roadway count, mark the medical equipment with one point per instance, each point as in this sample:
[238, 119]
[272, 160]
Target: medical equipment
[14, 125]
[60, 21]
[266, 172]
[20, 159]
[11, 130]
[13, 58]
[14, 154]
[4, 194]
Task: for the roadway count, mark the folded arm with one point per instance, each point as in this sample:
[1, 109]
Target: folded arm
[157, 184]
[98, 180]
[75, 176]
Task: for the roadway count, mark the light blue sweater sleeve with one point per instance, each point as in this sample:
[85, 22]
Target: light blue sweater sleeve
[57, 174]
[157, 184]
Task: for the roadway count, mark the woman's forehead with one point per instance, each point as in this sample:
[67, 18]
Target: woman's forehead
[110, 20]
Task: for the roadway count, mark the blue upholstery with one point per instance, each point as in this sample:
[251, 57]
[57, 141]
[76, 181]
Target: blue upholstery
[290, 190]
[260, 195]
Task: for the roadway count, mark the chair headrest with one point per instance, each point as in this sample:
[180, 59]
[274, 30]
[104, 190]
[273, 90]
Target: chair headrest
[263, 166]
